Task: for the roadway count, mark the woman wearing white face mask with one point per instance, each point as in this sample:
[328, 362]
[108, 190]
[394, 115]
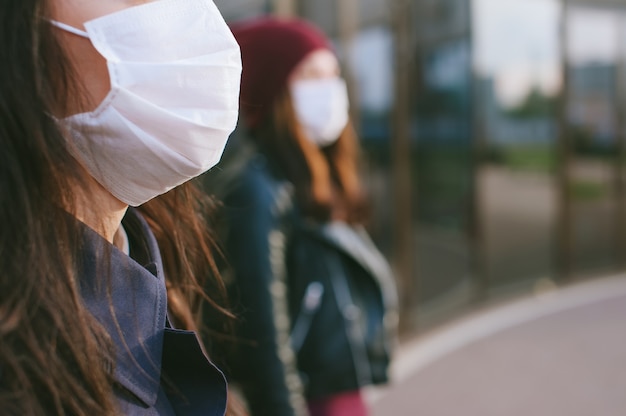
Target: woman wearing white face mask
[106, 104]
[316, 297]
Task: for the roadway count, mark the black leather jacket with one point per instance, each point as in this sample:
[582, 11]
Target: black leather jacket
[316, 302]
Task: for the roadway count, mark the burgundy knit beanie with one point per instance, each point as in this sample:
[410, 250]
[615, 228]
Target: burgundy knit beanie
[271, 49]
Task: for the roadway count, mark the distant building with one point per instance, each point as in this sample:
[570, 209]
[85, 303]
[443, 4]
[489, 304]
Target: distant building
[593, 100]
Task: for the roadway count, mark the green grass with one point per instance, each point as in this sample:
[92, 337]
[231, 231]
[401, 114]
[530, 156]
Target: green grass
[588, 191]
[536, 159]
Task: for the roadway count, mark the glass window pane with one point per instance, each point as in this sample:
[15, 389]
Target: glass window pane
[517, 68]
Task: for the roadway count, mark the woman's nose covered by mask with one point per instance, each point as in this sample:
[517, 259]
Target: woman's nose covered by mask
[321, 106]
[175, 72]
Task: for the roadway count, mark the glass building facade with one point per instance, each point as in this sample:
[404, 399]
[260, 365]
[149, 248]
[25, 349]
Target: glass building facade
[493, 135]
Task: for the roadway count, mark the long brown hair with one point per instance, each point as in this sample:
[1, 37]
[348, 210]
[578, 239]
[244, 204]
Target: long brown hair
[179, 222]
[326, 180]
[47, 365]
[54, 357]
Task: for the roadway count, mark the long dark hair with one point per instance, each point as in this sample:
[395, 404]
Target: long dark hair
[54, 357]
[48, 365]
[196, 294]
[180, 222]
[326, 180]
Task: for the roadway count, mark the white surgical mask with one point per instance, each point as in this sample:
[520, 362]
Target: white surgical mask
[175, 72]
[321, 106]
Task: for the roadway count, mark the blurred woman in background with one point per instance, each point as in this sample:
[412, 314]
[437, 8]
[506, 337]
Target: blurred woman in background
[316, 297]
[106, 104]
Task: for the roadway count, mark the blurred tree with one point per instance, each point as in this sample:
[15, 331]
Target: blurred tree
[535, 104]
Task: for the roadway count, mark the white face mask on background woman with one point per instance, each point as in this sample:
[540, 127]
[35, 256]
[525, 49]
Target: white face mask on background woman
[321, 107]
[175, 72]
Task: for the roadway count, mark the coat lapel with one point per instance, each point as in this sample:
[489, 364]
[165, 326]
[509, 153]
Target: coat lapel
[129, 301]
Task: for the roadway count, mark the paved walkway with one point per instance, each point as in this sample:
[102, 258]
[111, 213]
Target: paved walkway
[559, 354]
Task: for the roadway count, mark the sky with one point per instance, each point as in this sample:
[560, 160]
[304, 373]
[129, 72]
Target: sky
[517, 42]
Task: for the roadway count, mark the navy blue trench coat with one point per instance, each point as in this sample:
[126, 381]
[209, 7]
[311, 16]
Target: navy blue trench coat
[159, 370]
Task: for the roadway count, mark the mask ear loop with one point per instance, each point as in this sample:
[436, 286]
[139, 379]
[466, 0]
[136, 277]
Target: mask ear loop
[70, 29]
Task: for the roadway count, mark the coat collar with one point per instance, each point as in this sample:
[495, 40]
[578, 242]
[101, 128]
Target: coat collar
[354, 242]
[129, 299]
